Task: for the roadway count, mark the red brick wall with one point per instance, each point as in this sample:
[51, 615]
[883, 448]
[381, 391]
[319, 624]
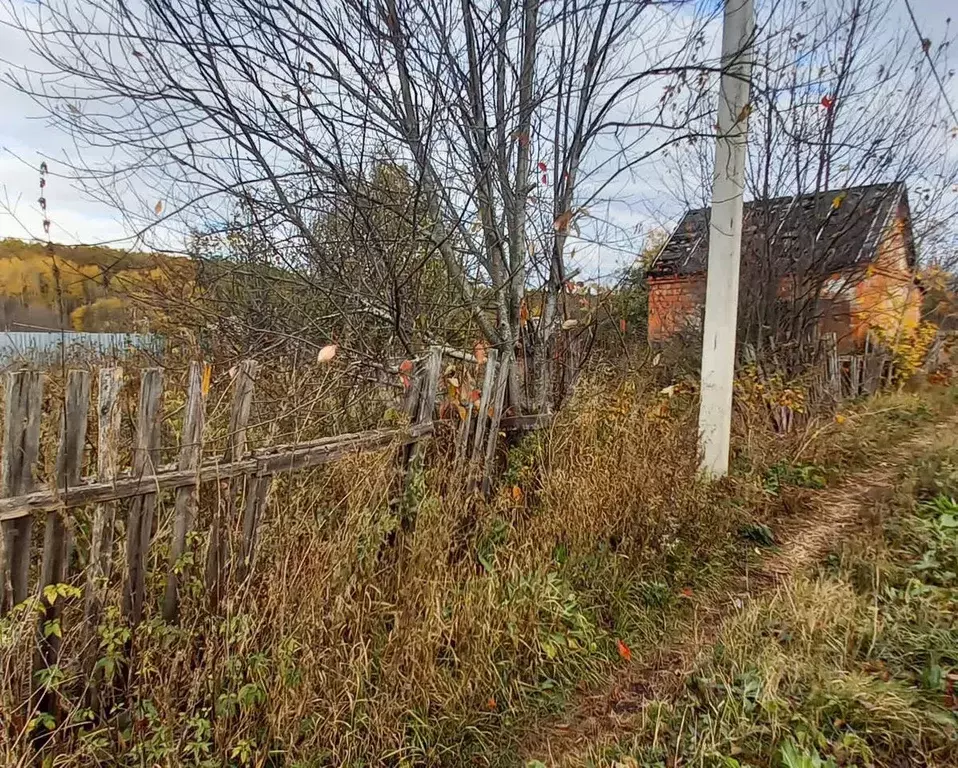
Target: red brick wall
[675, 305]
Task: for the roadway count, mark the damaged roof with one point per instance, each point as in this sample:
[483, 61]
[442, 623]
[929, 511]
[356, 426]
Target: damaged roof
[829, 231]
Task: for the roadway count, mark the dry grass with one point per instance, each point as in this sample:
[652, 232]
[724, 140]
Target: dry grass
[433, 629]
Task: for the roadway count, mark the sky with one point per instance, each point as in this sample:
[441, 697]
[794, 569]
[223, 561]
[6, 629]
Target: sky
[26, 139]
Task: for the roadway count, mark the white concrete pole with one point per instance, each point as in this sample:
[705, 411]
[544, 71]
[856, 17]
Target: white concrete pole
[725, 239]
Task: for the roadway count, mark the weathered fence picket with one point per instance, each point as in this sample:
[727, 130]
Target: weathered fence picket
[498, 403]
[110, 383]
[184, 507]
[222, 530]
[21, 447]
[57, 534]
[139, 525]
[488, 381]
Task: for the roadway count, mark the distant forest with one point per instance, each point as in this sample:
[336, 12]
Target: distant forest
[81, 288]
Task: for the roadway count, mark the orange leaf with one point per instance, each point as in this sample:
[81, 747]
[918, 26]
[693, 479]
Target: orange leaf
[561, 224]
[516, 493]
[462, 413]
[158, 207]
[686, 592]
[624, 650]
[475, 395]
[480, 352]
[491, 703]
[405, 366]
[622, 325]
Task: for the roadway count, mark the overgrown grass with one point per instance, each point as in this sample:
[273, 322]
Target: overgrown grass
[853, 666]
[437, 629]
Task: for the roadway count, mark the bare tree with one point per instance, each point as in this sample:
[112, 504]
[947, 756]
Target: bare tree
[510, 116]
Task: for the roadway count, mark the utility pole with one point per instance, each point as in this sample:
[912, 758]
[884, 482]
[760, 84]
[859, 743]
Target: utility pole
[725, 239]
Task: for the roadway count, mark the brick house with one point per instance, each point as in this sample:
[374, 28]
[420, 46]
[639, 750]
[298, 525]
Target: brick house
[845, 258]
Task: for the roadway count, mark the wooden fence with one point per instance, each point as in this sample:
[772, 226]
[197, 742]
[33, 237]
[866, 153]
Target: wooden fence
[244, 475]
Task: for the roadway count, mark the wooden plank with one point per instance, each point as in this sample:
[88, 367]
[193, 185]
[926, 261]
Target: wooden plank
[488, 381]
[139, 526]
[191, 454]
[257, 497]
[306, 455]
[69, 466]
[218, 552]
[110, 382]
[21, 447]
[499, 399]
[57, 535]
[426, 406]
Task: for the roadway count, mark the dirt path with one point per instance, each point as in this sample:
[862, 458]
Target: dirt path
[603, 715]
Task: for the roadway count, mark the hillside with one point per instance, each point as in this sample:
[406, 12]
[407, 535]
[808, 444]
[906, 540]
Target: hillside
[83, 288]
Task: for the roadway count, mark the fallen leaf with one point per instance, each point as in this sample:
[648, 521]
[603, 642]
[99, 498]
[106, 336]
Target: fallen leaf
[839, 419]
[454, 382]
[491, 703]
[669, 390]
[569, 324]
[405, 366]
[622, 325]
[158, 208]
[562, 221]
[480, 351]
[327, 353]
[624, 650]
[516, 493]
[657, 359]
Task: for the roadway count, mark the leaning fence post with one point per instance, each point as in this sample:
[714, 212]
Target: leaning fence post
[191, 452]
[420, 405]
[427, 395]
[21, 446]
[110, 382]
[497, 406]
[140, 520]
[485, 396]
[57, 533]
